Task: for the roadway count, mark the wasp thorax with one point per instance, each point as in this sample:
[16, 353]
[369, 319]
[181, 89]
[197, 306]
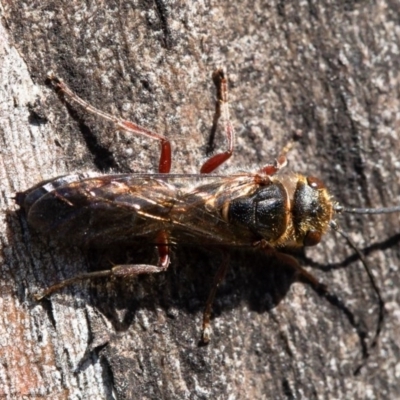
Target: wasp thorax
[311, 210]
[264, 212]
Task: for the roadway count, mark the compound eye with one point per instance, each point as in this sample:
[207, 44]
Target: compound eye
[312, 238]
[315, 183]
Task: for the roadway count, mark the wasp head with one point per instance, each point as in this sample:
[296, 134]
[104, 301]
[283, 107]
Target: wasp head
[312, 210]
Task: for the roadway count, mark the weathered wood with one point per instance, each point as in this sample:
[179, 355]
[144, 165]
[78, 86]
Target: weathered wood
[327, 71]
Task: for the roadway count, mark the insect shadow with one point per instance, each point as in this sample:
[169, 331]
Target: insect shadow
[258, 280]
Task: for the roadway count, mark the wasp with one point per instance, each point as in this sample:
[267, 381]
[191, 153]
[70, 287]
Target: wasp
[269, 209]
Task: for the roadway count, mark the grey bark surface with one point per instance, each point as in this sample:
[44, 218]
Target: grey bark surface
[326, 71]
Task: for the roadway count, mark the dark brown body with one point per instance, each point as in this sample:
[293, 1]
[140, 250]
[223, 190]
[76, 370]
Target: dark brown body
[236, 210]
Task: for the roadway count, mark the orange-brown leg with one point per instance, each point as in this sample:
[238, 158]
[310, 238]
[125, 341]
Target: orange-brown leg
[124, 270]
[221, 109]
[164, 165]
[280, 162]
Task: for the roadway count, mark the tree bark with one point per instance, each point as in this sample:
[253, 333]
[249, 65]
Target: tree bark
[326, 72]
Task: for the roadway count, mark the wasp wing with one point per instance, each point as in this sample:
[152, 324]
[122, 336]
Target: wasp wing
[108, 209]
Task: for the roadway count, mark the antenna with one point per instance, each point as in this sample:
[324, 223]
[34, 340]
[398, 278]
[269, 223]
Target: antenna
[384, 210]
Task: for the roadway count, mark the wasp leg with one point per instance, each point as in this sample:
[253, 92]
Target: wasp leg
[123, 270]
[221, 109]
[164, 165]
[290, 261]
[280, 162]
[218, 278]
[301, 272]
